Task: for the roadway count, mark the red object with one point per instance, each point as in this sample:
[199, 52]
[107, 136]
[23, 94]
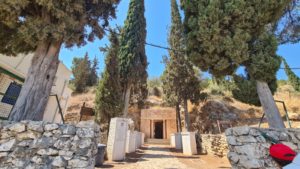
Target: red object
[282, 152]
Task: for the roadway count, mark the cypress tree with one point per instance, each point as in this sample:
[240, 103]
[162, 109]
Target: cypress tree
[108, 102]
[222, 35]
[132, 57]
[180, 82]
[42, 27]
[93, 77]
[81, 72]
[293, 79]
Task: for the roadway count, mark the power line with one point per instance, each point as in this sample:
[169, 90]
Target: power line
[154, 45]
[162, 47]
[167, 48]
[292, 68]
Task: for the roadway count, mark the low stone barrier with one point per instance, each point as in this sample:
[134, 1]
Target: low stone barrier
[214, 144]
[32, 144]
[249, 149]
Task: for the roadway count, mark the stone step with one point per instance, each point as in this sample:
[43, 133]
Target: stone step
[158, 141]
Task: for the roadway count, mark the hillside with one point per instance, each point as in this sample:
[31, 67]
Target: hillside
[205, 117]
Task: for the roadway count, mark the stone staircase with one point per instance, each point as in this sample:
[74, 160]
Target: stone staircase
[158, 141]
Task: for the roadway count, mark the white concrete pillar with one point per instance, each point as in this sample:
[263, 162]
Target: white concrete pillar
[143, 139]
[189, 143]
[176, 140]
[173, 140]
[116, 143]
[130, 142]
[138, 139]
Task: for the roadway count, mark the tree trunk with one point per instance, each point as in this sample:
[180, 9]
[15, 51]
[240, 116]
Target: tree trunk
[178, 118]
[269, 106]
[126, 101]
[186, 115]
[36, 89]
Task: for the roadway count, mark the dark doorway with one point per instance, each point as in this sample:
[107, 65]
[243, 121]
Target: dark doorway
[158, 130]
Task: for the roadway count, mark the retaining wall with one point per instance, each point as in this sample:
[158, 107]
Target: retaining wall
[249, 149]
[214, 144]
[30, 144]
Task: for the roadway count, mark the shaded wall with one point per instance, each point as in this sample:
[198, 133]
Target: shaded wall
[249, 149]
[29, 144]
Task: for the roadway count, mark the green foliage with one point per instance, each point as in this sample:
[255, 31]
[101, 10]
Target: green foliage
[156, 92]
[132, 56]
[26, 23]
[220, 34]
[264, 62]
[93, 76]
[154, 86]
[293, 79]
[85, 74]
[108, 102]
[180, 80]
[81, 72]
[281, 83]
[246, 92]
[154, 82]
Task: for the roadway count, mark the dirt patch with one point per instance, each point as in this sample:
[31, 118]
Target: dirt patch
[202, 161]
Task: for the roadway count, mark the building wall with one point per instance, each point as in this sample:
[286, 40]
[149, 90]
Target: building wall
[19, 65]
[150, 116]
[4, 83]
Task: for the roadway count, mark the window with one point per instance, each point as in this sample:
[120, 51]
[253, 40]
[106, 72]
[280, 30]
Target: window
[12, 93]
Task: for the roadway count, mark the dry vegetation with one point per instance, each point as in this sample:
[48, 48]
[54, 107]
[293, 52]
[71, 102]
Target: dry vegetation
[204, 117]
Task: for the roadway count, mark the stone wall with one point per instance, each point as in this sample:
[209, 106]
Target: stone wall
[249, 149]
[214, 144]
[31, 145]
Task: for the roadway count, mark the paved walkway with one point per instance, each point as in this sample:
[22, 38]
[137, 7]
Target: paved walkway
[161, 157]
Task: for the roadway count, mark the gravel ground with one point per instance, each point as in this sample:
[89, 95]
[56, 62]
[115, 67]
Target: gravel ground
[163, 157]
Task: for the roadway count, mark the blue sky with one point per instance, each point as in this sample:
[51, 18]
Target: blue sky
[158, 20]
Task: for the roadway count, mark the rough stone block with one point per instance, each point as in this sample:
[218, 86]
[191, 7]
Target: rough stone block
[7, 146]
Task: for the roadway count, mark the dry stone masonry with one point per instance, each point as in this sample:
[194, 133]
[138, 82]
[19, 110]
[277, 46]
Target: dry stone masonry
[249, 149]
[214, 144]
[31, 144]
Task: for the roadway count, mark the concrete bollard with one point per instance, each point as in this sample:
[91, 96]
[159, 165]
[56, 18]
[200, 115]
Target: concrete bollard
[130, 142]
[176, 141]
[189, 143]
[116, 144]
[143, 138]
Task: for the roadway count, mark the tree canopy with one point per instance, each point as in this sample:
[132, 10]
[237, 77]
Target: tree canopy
[220, 33]
[132, 57]
[26, 23]
[108, 102]
[293, 79]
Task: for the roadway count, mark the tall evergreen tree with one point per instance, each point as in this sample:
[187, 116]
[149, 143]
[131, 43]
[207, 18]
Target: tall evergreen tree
[179, 79]
[132, 57]
[42, 27]
[293, 79]
[93, 77]
[108, 102]
[81, 72]
[222, 35]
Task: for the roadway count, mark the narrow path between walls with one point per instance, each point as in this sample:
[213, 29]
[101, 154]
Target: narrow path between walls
[163, 157]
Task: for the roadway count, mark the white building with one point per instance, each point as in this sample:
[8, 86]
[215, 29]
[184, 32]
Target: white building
[14, 69]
